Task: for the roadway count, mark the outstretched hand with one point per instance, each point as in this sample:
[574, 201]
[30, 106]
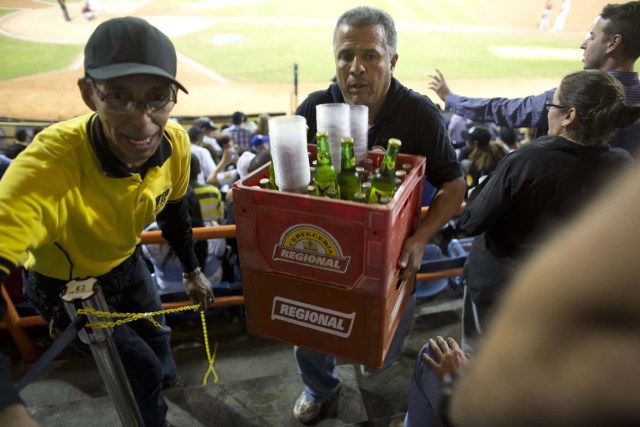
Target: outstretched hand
[448, 357]
[439, 85]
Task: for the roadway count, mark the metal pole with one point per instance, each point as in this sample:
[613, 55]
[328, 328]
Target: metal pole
[87, 293]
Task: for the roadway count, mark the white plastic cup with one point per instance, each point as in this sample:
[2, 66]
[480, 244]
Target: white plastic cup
[334, 119]
[359, 125]
[288, 143]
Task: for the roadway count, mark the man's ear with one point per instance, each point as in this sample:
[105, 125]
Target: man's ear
[86, 90]
[393, 62]
[614, 43]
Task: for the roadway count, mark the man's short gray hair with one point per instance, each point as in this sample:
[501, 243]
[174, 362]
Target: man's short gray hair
[365, 15]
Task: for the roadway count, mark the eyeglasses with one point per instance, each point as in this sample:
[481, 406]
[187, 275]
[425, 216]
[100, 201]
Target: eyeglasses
[121, 104]
[548, 105]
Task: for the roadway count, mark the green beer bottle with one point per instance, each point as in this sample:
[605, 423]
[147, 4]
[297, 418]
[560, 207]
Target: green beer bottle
[360, 197]
[384, 181]
[332, 193]
[325, 176]
[348, 178]
[272, 177]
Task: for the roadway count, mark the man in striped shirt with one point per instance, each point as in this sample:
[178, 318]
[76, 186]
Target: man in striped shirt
[613, 45]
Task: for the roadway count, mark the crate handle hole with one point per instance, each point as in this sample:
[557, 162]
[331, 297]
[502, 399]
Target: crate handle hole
[244, 211]
[399, 284]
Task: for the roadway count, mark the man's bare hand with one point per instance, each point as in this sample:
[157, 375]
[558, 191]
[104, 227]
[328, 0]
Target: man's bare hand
[439, 85]
[198, 289]
[410, 257]
[448, 357]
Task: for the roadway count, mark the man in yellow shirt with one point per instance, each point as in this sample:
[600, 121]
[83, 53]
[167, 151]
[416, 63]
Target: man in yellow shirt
[74, 203]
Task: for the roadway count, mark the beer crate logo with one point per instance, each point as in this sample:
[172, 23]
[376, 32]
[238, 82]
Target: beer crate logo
[313, 317]
[311, 246]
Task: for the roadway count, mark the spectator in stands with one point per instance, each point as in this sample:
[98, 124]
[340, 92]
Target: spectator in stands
[221, 175]
[209, 140]
[21, 142]
[457, 124]
[166, 265]
[510, 138]
[243, 163]
[207, 165]
[528, 135]
[241, 136]
[263, 125]
[4, 164]
[613, 45]
[260, 142]
[209, 196]
[485, 154]
[364, 46]
[527, 197]
[525, 200]
[73, 205]
[36, 131]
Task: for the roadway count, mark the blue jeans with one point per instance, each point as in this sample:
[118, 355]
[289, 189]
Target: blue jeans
[424, 394]
[318, 370]
[145, 350]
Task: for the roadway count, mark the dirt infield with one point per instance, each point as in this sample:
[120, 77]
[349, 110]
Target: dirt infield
[35, 97]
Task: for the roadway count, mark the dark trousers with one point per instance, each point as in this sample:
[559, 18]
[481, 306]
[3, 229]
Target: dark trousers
[145, 350]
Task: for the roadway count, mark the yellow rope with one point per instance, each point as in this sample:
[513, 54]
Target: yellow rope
[130, 317]
[210, 358]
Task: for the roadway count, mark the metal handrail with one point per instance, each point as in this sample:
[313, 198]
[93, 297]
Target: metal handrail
[16, 324]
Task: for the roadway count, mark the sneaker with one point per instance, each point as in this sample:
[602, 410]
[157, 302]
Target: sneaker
[368, 372]
[305, 409]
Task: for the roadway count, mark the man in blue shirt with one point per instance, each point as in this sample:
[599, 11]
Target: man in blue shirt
[613, 45]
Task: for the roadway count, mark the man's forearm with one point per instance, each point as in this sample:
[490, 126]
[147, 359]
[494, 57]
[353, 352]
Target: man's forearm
[514, 113]
[442, 208]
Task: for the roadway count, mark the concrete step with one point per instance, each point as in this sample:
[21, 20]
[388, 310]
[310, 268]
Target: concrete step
[265, 401]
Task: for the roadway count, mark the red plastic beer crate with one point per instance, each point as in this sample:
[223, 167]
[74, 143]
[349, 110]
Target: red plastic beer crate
[322, 273]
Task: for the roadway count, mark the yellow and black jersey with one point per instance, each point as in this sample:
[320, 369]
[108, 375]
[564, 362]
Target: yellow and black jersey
[67, 210]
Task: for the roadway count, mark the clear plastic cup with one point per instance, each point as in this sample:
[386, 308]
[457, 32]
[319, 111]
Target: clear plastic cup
[359, 125]
[334, 119]
[288, 143]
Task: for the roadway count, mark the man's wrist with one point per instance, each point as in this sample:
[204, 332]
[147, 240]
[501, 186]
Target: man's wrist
[191, 274]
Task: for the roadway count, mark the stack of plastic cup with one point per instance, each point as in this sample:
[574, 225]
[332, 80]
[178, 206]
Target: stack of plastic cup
[334, 119]
[359, 121]
[288, 143]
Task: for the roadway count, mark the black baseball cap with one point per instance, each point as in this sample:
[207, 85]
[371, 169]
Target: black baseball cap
[477, 135]
[126, 46]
